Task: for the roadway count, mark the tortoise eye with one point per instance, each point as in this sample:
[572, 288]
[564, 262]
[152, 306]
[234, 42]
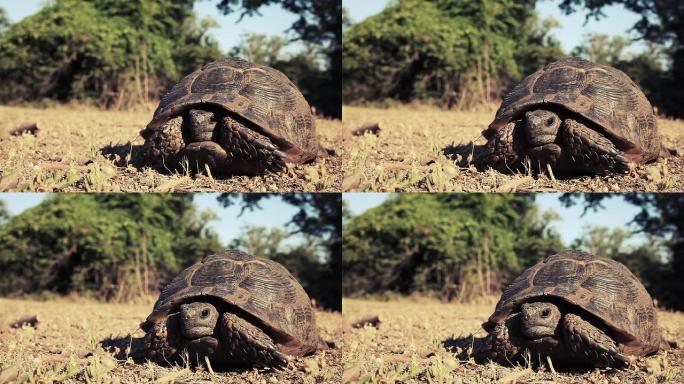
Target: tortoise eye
[549, 121]
[205, 313]
[546, 313]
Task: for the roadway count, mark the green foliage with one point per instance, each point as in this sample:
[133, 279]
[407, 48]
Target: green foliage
[320, 26]
[259, 48]
[461, 52]
[117, 53]
[117, 246]
[318, 261]
[4, 213]
[4, 20]
[459, 246]
[540, 47]
[602, 49]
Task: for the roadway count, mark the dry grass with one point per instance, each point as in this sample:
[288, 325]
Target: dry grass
[425, 149]
[77, 341]
[86, 149]
[409, 347]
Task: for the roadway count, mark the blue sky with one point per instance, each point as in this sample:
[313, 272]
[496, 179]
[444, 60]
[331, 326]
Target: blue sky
[618, 20]
[273, 20]
[274, 213]
[617, 212]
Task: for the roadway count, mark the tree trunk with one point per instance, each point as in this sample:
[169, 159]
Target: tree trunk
[488, 261]
[146, 262]
[487, 69]
[138, 275]
[480, 83]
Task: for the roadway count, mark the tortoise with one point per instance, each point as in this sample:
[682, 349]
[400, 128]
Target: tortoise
[577, 117]
[234, 309]
[577, 309]
[234, 116]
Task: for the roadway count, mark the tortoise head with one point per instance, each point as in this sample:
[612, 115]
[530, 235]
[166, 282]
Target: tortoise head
[539, 319]
[198, 319]
[541, 127]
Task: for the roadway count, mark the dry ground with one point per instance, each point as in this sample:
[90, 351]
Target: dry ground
[69, 343]
[86, 149]
[408, 347]
[426, 149]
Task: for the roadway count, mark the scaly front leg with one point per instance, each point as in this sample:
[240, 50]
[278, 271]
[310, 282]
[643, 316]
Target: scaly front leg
[503, 147]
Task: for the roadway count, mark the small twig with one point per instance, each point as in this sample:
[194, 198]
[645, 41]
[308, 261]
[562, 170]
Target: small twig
[30, 320]
[372, 128]
[30, 128]
[372, 320]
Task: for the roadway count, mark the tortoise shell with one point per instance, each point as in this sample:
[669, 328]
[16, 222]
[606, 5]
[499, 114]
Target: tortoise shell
[261, 95]
[603, 95]
[601, 287]
[260, 288]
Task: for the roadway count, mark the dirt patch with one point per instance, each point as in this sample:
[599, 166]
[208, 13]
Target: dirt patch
[426, 149]
[87, 341]
[86, 149]
[409, 346]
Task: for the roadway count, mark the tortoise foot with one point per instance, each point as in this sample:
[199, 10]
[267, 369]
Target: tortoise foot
[590, 151]
[503, 148]
[246, 344]
[591, 343]
[252, 152]
[163, 147]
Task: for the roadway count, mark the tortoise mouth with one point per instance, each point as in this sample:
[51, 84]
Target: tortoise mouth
[543, 141]
[546, 152]
[538, 332]
[205, 344]
[541, 340]
[196, 333]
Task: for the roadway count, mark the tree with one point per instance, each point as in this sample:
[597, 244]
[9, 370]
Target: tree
[114, 246]
[4, 20]
[4, 213]
[540, 47]
[260, 241]
[463, 53]
[115, 53]
[320, 24]
[259, 48]
[601, 241]
[319, 219]
[458, 247]
[602, 49]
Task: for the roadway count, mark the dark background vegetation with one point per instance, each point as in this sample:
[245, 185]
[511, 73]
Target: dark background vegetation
[463, 247]
[120, 247]
[464, 53]
[122, 53]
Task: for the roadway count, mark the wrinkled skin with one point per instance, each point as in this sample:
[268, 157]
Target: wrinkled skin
[547, 330]
[211, 138]
[203, 330]
[565, 144]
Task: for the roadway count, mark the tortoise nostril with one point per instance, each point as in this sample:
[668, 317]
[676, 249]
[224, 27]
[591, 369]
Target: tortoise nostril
[205, 313]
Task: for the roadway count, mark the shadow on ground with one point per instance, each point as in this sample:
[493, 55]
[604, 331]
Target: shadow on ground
[123, 155]
[125, 347]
